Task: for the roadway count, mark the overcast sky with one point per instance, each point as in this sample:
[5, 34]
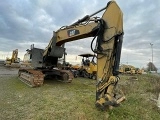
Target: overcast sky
[26, 22]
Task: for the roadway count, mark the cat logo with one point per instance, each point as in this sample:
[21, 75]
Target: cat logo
[72, 32]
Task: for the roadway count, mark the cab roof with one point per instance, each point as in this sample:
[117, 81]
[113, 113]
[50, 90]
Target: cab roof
[86, 55]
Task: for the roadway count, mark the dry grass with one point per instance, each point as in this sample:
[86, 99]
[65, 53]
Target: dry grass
[75, 101]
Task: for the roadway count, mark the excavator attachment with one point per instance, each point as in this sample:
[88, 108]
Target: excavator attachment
[109, 44]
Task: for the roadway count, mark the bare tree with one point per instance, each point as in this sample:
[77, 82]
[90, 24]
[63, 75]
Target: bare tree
[151, 67]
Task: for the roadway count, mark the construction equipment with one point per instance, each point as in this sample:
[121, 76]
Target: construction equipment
[108, 30]
[89, 67]
[127, 69]
[33, 72]
[139, 71]
[75, 67]
[14, 61]
[130, 69]
[33, 58]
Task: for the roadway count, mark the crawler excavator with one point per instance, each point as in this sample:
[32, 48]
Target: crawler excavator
[107, 32]
[14, 61]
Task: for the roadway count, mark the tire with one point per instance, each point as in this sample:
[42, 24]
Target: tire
[94, 77]
[85, 74]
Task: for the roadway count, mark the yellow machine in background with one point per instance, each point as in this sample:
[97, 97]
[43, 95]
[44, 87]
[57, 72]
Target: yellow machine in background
[107, 32]
[14, 61]
[129, 69]
[76, 67]
[139, 71]
[88, 68]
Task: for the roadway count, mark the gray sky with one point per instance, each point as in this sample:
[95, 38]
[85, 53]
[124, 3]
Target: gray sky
[26, 22]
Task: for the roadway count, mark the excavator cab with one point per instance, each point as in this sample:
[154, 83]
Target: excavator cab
[88, 67]
[33, 58]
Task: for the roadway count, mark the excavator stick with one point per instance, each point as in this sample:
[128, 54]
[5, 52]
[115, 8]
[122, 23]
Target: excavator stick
[109, 44]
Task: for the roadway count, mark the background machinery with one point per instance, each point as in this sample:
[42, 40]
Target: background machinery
[88, 67]
[75, 67]
[127, 69]
[107, 32]
[33, 72]
[14, 61]
[139, 71]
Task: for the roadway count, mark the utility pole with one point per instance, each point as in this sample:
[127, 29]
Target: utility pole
[152, 51]
[152, 54]
[127, 59]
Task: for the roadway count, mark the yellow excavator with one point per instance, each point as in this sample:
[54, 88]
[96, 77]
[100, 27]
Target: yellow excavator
[107, 33]
[139, 71]
[88, 68]
[14, 61]
[127, 69]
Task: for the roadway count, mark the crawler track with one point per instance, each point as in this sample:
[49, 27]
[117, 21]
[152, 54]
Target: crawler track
[67, 76]
[32, 78]
[35, 77]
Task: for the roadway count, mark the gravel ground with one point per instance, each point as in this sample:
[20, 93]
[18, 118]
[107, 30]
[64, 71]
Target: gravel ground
[7, 70]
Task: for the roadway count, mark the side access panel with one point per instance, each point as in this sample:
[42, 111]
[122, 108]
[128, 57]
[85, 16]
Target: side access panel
[37, 57]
